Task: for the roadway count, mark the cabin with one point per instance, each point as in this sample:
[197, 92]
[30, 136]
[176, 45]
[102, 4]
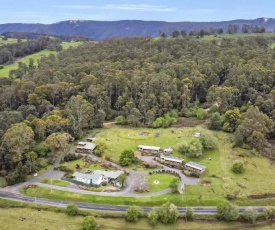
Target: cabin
[195, 168]
[97, 177]
[149, 149]
[168, 151]
[171, 160]
[85, 147]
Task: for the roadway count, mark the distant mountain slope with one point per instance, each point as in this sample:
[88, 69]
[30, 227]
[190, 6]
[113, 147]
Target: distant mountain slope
[100, 30]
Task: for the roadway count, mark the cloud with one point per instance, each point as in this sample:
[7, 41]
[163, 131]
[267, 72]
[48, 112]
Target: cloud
[200, 11]
[85, 17]
[139, 7]
[129, 7]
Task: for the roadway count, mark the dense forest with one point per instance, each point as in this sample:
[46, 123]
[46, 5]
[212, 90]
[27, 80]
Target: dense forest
[138, 82]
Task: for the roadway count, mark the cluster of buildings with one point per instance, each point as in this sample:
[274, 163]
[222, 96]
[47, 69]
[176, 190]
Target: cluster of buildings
[164, 157]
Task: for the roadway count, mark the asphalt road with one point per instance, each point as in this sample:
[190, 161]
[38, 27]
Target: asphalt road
[106, 208]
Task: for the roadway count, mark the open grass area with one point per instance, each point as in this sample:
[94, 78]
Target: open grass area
[72, 165]
[8, 41]
[235, 36]
[162, 182]
[36, 56]
[7, 68]
[56, 182]
[9, 220]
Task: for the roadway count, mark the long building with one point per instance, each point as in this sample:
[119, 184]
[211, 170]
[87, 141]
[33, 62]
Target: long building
[194, 167]
[149, 149]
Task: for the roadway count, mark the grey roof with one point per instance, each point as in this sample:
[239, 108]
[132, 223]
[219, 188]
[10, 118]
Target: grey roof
[169, 149]
[109, 174]
[170, 158]
[149, 147]
[196, 166]
[93, 176]
[86, 145]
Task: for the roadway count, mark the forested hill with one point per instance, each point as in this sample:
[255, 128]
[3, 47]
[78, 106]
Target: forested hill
[100, 30]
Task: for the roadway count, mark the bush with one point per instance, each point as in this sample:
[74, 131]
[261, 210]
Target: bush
[208, 141]
[133, 213]
[127, 157]
[174, 184]
[168, 213]
[189, 215]
[216, 121]
[250, 215]
[238, 167]
[89, 223]
[3, 182]
[201, 114]
[71, 157]
[153, 217]
[71, 210]
[227, 212]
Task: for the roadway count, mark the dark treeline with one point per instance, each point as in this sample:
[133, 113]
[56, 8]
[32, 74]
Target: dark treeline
[137, 80]
[29, 36]
[9, 52]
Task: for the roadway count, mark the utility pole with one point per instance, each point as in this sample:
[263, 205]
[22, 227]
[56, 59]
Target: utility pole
[51, 185]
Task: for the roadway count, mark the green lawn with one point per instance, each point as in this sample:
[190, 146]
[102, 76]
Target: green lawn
[55, 182]
[163, 181]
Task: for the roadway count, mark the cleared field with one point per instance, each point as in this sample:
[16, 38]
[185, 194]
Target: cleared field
[235, 36]
[9, 41]
[7, 68]
[37, 56]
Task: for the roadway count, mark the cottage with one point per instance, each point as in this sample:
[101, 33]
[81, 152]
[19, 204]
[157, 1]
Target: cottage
[168, 151]
[171, 160]
[109, 175]
[89, 179]
[194, 167]
[149, 149]
[85, 147]
[97, 177]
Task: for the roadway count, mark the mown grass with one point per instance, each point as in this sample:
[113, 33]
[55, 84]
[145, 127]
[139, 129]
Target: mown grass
[56, 182]
[163, 182]
[72, 165]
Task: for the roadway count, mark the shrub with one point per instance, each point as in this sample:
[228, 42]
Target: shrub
[153, 217]
[71, 157]
[71, 210]
[174, 184]
[189, 215]
[89, 223]
[201, 114]
[3, 182]
[238, 167]
[208, 141]
[216, 121]
[133, 213]
[127, 157]
[250, 215]
[227, 212]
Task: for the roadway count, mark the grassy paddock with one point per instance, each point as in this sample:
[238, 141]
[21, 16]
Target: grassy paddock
[9, 220]
[56, 182]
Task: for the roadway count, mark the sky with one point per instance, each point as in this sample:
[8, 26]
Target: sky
[51, 11]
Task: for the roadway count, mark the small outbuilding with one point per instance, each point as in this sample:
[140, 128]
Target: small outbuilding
[91, 139]
[85, 147]
[168, 151]
[194, 167]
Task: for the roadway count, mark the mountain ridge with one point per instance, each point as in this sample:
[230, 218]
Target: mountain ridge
[100, 30]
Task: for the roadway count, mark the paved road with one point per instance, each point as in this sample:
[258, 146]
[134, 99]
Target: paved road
[107, 208]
